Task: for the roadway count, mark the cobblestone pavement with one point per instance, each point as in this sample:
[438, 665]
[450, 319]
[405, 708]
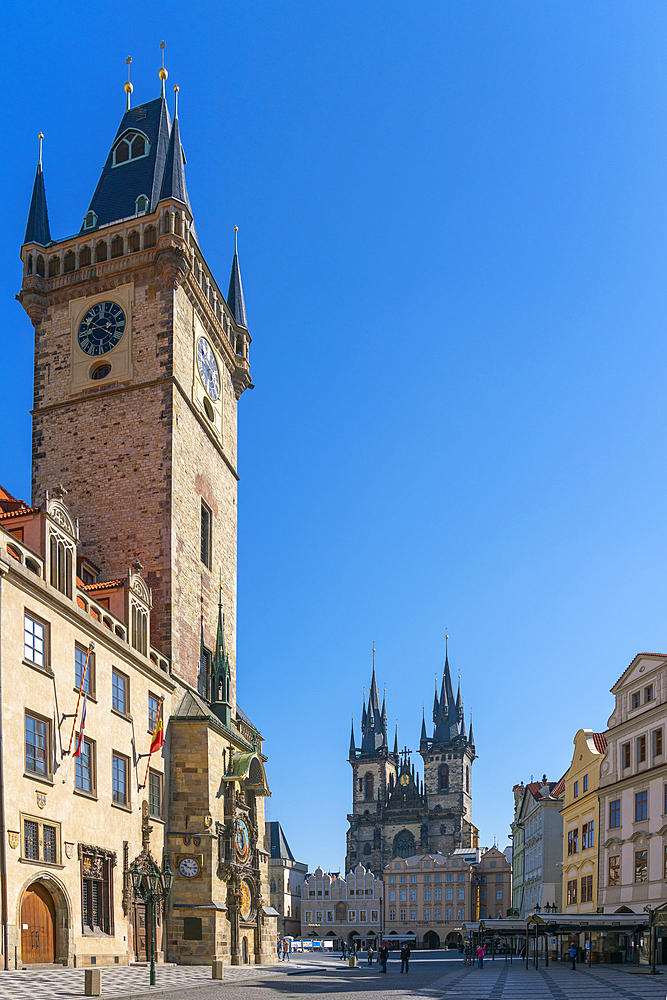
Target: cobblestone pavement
[432, 975]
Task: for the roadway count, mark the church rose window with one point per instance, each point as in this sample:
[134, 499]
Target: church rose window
[404, 845]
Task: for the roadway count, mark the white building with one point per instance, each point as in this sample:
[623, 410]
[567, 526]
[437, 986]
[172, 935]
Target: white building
[340, 909]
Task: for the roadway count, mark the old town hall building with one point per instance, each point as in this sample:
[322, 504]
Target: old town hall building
[394, 812]
[118, 587]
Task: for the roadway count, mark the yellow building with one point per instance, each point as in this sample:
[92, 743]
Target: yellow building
[580, 823]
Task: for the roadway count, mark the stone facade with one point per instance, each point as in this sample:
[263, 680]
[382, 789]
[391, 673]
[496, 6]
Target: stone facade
[493, 885]
[427, 900]
[538, 845]
[394, 811]
[139, 433]
[343, 909]
[633, 791]
[581, 814]
[286, 878]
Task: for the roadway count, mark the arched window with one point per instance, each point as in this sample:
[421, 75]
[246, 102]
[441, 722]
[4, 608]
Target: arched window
[142, 204]
[132, 146]
[100, 252]
[443, 777]
[404, 844]
[89, 220]
[341, 913]
[133, 242]
[54, 267]
[367, 848]
[368, 787]
[61, 565]
[442, 829]
[69, 262]
[150, 237]
[139, 629]
[40, 265]
[467, 779]
[84, 257]
[178, 224]
[117, 246]
[273, 886]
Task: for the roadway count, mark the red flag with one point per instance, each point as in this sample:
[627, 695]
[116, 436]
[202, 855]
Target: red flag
[158, 732]
[79, 742]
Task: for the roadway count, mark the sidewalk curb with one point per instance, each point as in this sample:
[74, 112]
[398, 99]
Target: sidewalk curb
[169, 992]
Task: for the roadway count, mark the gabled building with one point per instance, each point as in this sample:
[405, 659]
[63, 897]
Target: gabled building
[581, 812]
[395, 813]
[537, 855]
[286, 877]
[343, 909]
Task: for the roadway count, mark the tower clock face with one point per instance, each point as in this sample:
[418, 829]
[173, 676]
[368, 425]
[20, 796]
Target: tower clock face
[101, 328]
[189, 867]
[208, 368]
[241, 841]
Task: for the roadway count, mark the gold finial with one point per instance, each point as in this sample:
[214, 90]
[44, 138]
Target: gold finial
[175, 102]
[162, 73]
[128, 86]
[41, 136]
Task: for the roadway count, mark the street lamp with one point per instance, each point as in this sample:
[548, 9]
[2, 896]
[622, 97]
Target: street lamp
[152, 887]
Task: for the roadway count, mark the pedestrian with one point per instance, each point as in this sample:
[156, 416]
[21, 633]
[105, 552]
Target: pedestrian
[384, 955]
[480, 956]
[573, 956]
[467, 957]
[280, 949]
[343, 951]
[285, 950]
[405, 957]
[369, 953]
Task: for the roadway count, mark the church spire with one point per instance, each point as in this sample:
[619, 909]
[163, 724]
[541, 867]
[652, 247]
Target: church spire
[353, 749]
[220, 700]
[447, 721]
[471, 738]
[173, 178]
[37, 229]
[396, 742]
[423, 739]
[374, 723]
[235, 299]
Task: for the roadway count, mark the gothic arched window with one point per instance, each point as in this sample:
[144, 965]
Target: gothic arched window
[132, 146]
[404, 844]
[367, 848]
[69, 262]
[368, 787]
[150, 237]
[272, 886]
[467, 779]
[84, 257]
[443, 777]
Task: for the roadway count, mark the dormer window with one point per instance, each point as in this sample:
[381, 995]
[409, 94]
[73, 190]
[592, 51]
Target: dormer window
[132, 146]
[143, 204]
[90, 220]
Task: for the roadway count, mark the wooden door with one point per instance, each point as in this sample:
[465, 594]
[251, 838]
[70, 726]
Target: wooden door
[140, 927]
[37, 927]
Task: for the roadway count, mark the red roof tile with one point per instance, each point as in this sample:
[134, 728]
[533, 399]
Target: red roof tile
[600, 741]
[106, 585]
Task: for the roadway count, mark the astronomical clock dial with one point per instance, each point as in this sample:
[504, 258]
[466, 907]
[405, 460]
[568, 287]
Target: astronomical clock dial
[208, 368]
[246, 900]
[101, 328]
[189, 867]
[241, 841]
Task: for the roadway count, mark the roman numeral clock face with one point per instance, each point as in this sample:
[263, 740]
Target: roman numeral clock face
[208, 368]
[101, 328]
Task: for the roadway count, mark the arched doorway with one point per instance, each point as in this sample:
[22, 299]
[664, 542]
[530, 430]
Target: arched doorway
[38, 926]
[431, 940]
[453, 940]
[244, 950]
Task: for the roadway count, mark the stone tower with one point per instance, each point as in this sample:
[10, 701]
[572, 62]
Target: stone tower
[139, 365]
[394, 812]
[448, 758]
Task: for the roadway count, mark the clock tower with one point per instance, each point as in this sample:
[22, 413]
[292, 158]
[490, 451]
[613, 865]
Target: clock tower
[140, 361]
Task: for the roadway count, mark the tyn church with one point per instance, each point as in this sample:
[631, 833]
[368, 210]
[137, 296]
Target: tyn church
[394, 812]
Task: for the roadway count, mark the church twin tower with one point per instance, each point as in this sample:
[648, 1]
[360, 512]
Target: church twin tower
[394, 813]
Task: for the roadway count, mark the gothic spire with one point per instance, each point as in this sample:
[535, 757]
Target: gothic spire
[459, 703]
[37, 229]
[471, 738]
[435, 702]
[173, 178]
[374, 723]
[396, 742]
[353, 749]
[447, 721]
[235, 299]
[220, 698]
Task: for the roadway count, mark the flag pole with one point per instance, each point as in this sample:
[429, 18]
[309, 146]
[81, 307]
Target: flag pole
[91, 647]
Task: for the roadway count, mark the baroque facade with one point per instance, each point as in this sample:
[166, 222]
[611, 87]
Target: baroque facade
[581, 813]
[343, 909]
[140, 361]
[537, 830]
[394, 811]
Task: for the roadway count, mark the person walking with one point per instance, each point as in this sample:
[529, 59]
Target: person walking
[384, 955]
[467, 957]
[285, 950]
[405, 957]
[573, 956]
[343, 953]
[369, 953]
[280, 950]
[480, 956]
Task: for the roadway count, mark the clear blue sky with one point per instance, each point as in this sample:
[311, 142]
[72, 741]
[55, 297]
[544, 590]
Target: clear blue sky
[452, 230]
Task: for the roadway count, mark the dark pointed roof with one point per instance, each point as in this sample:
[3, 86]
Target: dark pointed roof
[471, 738]
[353, 749]
[424, 736]
[119, 187]
[173, 179]
[447, 720]
[37, 229]
[374, 722]
[279, 846]
[235, 299]
[396, 741]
